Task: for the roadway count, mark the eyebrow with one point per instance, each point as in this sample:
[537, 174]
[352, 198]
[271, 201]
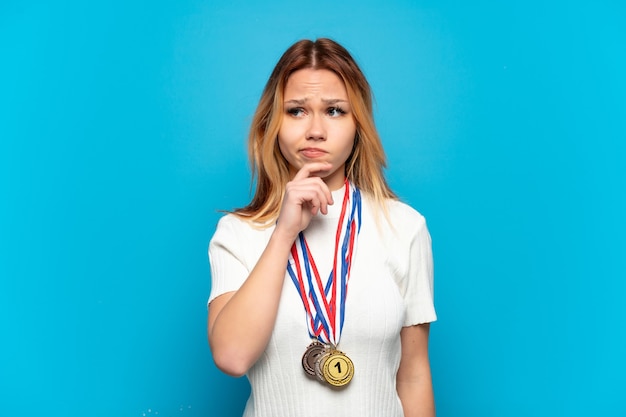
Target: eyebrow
[327, 101]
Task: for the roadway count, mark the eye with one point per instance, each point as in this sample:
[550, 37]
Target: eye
[335, 111]
[295, 111]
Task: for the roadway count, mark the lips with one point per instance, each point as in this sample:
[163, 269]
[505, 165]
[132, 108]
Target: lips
[312, 153]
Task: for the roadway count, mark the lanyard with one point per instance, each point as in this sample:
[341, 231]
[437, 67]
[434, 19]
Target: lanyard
[325, 304]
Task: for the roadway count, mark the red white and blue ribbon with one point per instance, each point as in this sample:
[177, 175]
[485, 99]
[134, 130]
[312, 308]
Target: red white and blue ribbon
[325, 304]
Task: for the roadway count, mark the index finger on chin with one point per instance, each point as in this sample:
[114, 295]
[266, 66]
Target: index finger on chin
[308, 169]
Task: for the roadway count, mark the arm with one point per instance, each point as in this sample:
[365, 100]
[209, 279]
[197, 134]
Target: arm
[413, 380]
[240, 323]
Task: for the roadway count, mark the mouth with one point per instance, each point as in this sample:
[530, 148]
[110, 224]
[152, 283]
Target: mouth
[312, 153]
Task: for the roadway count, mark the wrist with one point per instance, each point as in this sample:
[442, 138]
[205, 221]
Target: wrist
[283, 238]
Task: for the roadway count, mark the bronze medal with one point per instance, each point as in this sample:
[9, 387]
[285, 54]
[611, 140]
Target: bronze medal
[337, 369]
[313, 351]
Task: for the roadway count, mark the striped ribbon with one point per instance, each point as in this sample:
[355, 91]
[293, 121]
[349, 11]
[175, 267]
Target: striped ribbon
[325, 304]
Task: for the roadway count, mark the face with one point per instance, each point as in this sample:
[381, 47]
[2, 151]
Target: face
[318, 124]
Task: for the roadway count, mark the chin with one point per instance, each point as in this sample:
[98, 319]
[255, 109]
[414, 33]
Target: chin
[320, 174]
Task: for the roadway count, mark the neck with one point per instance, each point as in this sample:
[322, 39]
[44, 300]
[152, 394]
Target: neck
[335, 181]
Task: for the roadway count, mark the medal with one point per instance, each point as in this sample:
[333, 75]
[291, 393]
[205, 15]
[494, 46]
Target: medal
[310, 356]
[337, 369]
[324, 303]
[319, 366]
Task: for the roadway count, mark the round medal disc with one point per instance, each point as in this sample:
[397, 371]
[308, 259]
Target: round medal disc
[319, 365]
[338, 369]
[313, 351]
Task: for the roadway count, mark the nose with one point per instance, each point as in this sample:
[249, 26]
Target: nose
[316, 129]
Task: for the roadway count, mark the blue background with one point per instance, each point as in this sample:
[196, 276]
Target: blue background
[122, 132]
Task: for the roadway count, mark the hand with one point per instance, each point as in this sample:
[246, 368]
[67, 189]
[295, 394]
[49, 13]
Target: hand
[305, 196]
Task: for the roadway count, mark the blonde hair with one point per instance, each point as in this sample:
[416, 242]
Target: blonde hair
[364, 167]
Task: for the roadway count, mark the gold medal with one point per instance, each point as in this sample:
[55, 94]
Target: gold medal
[312, 352]
[337, 369]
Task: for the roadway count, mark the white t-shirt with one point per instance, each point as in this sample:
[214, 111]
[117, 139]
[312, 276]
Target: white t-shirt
[391, 286]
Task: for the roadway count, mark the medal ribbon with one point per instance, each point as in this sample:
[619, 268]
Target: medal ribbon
[325, 304]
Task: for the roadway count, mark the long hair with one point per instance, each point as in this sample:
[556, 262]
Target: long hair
[364, 167]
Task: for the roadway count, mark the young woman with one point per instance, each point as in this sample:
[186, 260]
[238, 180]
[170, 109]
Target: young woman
[322, 287]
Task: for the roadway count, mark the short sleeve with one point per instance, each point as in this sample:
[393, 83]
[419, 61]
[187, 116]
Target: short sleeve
[226, 256]
[410, 251]
[419, 292]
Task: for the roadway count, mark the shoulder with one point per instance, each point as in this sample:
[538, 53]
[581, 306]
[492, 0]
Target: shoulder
[402, 212]
[402, 218]
[396, 221]
[408, 224]
[394, 208]
[233, 221]
[227, 224]
[230, 220]
[231, 226]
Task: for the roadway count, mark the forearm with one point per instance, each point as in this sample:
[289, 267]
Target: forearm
[413, 381]
[242, 327]
[417, 397]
